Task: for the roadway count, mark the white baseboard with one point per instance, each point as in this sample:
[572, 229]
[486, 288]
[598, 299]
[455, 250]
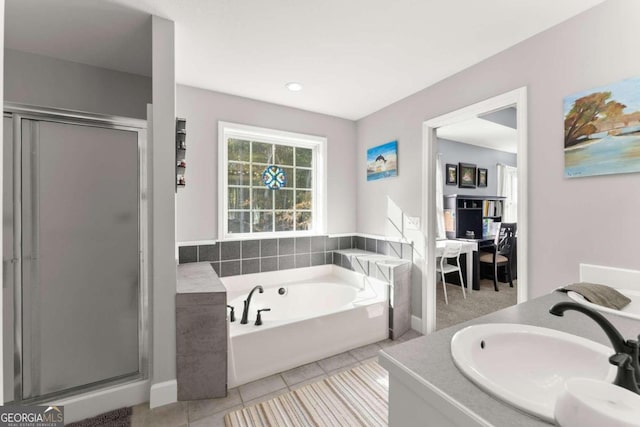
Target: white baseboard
[90, 404]
[416, 324]
[163, 393]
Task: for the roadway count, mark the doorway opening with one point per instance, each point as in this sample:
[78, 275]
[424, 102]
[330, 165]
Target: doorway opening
[473, 214]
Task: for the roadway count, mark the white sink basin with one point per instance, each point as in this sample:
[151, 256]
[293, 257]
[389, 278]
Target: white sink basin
[592, 403]
[527, 366]
[631, 311]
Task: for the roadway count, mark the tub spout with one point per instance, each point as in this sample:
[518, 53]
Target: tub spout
[245, 311]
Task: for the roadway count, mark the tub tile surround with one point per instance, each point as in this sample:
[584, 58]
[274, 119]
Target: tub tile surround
[268, 247]
[188, 254]
[230, 258]
[231, 250]
[250, 266]
[208, 253]
[268, 264]
[377, 258]
[201, 333]
[318, 258]
[393, 268]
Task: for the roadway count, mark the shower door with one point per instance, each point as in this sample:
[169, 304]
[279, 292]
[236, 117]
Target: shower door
[77, 302]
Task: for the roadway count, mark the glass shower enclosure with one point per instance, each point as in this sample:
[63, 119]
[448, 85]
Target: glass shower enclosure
[74, 294]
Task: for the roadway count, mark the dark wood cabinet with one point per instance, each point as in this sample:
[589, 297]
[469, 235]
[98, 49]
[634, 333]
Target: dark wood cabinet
[466, 214]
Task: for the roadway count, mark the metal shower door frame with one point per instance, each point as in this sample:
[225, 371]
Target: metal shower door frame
[18, 113]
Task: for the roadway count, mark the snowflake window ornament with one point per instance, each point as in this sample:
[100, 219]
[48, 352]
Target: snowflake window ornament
[274, 177]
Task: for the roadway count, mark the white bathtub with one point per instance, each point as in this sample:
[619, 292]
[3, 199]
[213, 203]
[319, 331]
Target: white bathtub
[326, 310]
[631, 311]
[624, 281]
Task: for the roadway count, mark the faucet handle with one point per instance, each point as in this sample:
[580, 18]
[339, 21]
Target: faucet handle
[635, 356]
[232, 315]
[620, 360]
[259, 317]
[625, 377]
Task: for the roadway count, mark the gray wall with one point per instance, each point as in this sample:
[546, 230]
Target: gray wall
[50, 82]
[592, 220]
[197, 203]
[162, 216]
[455, 152]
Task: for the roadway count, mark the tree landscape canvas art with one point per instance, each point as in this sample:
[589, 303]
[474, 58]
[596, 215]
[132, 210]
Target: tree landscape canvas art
[602, 130]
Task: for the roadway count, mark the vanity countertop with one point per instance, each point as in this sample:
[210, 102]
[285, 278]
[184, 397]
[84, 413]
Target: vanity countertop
[198, 277]
[426, 366]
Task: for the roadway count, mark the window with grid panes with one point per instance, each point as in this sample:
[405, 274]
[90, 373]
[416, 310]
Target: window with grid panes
[251, 207]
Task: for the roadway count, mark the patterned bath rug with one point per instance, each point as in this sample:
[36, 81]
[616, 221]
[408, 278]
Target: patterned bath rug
[357, 397]
[118, 418]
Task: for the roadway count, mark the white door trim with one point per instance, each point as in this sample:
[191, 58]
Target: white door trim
[517, 98]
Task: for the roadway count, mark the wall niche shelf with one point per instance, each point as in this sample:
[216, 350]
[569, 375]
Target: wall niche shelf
[181, 151]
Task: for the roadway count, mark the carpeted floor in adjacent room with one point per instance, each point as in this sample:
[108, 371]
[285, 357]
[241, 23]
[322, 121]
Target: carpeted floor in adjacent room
[477, 303]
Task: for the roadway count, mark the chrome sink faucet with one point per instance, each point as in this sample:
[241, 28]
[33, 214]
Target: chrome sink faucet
[245, 311]
[627, 351]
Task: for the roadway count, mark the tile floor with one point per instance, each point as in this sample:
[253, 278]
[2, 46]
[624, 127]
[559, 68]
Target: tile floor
[210, 412]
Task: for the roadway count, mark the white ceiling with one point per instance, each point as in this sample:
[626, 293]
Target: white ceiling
[483, 133]
[353, 57]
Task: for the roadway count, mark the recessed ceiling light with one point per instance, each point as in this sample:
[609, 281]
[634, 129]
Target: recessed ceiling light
[294, 87]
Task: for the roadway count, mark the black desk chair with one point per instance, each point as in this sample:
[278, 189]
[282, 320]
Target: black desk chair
[501, 253]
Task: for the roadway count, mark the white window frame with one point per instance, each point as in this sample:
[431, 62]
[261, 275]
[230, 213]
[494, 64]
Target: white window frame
[318, 144]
